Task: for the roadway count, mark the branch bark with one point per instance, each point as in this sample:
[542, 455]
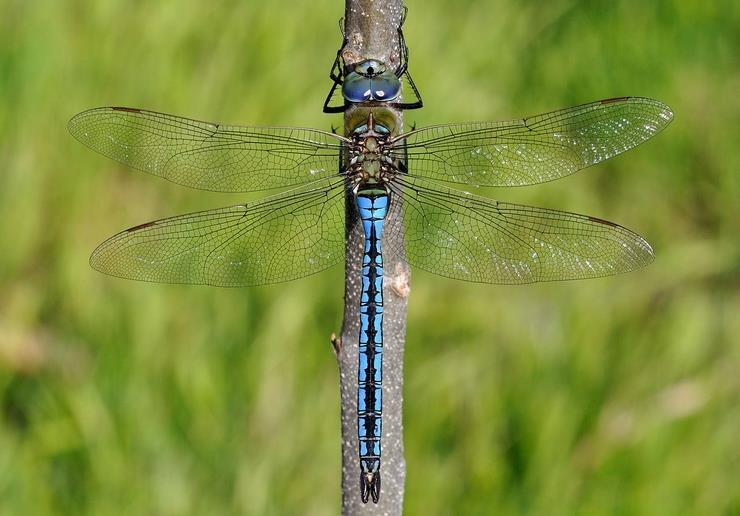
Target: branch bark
[371, 28]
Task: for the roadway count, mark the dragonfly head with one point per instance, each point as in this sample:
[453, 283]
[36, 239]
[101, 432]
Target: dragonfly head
[370, 68]
[371, 80]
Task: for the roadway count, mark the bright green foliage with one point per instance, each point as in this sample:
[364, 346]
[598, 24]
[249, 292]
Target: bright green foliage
[612, 396]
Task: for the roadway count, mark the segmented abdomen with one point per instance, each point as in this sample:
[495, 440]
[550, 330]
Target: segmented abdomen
[373, 206]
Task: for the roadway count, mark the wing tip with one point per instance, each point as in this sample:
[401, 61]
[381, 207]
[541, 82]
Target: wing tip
[636, 99]
[662, 109]
[648, 255]
[75, 121]
[98, 259]
[74, 125]
[642, 252]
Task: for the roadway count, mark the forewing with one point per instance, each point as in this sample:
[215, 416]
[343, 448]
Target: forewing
[209, 156]
[471, 238]
[535, 149]
[277, 239]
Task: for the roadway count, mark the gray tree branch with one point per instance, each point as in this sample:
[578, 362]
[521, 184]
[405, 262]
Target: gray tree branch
[371, 28]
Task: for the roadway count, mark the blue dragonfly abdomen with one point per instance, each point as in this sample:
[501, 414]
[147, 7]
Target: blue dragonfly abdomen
[372, 204]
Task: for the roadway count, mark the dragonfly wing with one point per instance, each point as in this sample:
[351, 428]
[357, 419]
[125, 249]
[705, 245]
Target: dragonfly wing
[471, 238]
[532, 150]
[209, 156]
[281, 238]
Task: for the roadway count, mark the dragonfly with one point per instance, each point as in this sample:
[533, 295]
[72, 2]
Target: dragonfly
[301, 230]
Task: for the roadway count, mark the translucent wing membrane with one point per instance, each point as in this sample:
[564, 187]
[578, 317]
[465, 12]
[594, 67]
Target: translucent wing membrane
[209, 156]
[301, 232]
[470, 238]
[536, 149]
[280, 238]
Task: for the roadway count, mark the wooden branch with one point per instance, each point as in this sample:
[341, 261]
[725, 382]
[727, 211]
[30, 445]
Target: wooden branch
[371, 28]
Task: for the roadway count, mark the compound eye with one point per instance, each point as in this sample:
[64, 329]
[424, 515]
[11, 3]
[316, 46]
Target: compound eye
[386, 86]
[370, 81]
[370, 67]
[356, 88]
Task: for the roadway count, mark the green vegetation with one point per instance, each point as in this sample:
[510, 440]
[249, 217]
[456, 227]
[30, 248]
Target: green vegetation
[616, 396]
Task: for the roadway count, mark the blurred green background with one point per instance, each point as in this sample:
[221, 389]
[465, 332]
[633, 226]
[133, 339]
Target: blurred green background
[612, 396]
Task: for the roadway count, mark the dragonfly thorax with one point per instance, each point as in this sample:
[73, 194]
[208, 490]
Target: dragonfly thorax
[369, 154]
[370, 159]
